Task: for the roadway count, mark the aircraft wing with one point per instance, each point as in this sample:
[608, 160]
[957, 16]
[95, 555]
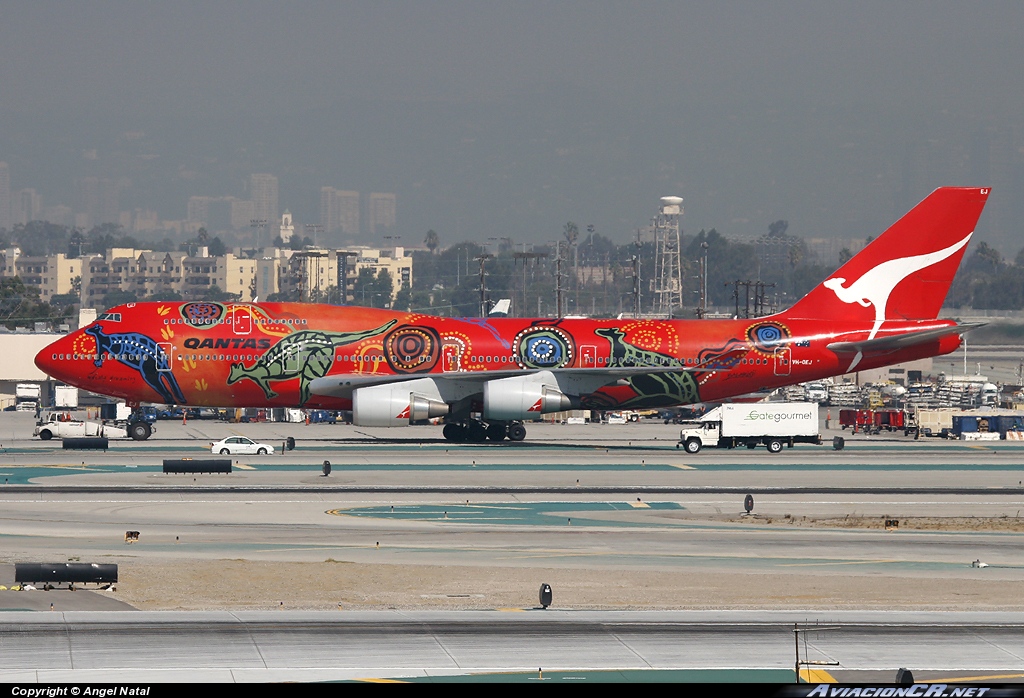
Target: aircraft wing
[900, 341]
[342, 385]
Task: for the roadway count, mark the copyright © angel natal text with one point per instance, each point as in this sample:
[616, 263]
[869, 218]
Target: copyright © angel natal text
[91, 691]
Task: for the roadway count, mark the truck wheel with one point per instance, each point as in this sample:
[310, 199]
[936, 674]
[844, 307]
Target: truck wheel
[45, 435]
[516, 432]
[693, 445]
[774, 446]
[139, 431]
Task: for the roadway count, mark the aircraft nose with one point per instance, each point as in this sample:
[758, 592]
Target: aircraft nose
[49, 360]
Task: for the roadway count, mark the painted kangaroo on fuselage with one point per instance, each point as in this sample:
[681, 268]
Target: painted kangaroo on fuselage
[141, 353]
[305, 355]
[653, 388]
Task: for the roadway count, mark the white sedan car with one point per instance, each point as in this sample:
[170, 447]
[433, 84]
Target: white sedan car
[240, 445]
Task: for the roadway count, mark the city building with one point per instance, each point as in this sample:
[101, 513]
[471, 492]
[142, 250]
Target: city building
[26, 205]
[381, 213]
[5, 196]
[52, 275]
[263, 194]
[339, 214]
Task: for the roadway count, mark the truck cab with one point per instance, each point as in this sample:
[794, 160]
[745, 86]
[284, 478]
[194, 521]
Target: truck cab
[696, 435]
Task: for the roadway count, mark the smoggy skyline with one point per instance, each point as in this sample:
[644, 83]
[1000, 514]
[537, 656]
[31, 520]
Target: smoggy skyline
[508, 120]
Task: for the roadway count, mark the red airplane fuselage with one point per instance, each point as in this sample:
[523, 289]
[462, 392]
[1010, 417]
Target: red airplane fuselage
[247, 355]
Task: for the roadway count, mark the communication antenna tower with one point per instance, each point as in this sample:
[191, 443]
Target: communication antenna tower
[668, 272]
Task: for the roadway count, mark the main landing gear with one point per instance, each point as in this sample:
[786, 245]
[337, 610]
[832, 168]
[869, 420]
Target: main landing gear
[475, 431]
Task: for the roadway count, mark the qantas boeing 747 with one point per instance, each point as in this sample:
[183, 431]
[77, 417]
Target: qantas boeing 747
[487, 376]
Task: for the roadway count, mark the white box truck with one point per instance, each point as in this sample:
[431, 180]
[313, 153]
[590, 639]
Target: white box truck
[769, 424]
[28, 396]
[65, 396]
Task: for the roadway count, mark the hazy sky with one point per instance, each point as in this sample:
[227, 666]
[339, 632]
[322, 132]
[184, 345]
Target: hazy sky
[508, 119]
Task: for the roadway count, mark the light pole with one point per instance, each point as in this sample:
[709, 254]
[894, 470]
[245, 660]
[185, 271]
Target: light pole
[483, 283]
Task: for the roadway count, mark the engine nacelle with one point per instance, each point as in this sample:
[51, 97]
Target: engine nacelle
[522, 398]
[394, 405]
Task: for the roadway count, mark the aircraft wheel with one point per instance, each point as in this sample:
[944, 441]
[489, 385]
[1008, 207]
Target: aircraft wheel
[139, 431]
[496, 432]
[516, 432]
[693, 445]
[774, 446]
[477, 432]
[45, 435]
[455, 433]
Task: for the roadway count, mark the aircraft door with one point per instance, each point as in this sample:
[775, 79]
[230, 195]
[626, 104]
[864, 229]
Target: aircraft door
[241, 319]
[782, 361]
[451, 357]
[163, 359]
[294, 356]
[588, 356]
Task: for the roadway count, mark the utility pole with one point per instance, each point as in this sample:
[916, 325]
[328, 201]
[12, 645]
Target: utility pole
[636, 277]
[702, 309]
[526, 257]
[558, 278]
[483, 283]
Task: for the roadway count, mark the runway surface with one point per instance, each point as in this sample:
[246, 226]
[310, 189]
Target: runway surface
[250, 647]
[615, 517]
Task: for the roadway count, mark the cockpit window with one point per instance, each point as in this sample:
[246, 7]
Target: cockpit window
[110, 317]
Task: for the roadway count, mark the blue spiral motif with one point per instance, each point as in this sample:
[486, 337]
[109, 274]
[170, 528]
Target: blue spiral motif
[544, 348]
[767, 336]
[202, 314]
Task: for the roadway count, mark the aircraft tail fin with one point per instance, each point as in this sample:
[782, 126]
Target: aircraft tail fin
[905, 273]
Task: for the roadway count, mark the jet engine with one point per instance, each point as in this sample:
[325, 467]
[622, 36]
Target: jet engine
[393, 405]
[521, 398]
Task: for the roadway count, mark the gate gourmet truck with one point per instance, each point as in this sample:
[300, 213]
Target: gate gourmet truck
[772, 425]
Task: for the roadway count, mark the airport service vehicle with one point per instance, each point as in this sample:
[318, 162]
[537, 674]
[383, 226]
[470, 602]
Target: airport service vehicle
[769, 424]
[27, 396]
[817, 392]
[240, 446]
[877, 421]
[987, 424]
[935, 422]
[62, 425]
[487, 377]
[65, 396]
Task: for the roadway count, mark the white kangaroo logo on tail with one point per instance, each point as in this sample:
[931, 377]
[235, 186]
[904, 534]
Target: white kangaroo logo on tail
[874, 286]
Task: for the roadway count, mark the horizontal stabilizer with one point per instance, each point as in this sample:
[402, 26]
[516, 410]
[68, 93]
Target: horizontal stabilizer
[900, 341]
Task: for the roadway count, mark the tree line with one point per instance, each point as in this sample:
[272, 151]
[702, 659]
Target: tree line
[596, 275]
